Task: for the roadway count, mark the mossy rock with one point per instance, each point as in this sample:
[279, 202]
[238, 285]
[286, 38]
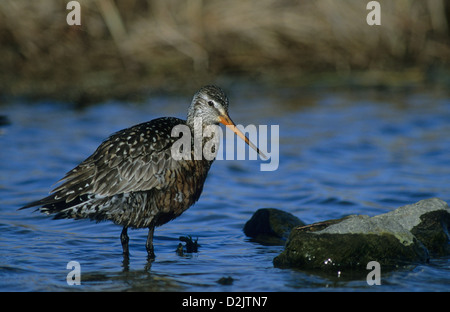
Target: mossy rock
[429, 221]
[339, 251]
[404, 236]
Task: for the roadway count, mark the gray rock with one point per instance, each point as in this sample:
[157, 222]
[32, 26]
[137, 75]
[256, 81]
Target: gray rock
[429, 221]
[403, 236]
[271, 226]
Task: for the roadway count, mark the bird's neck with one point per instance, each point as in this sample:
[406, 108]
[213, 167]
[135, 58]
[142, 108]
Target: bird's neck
[198, 123]
[205, 138]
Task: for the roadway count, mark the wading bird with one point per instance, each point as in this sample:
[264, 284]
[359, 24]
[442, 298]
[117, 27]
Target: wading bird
[132, 178]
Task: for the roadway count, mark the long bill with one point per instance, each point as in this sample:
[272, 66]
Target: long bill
[230, 124]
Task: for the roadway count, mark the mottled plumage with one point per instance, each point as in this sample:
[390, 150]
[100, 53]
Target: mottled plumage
[132, 178]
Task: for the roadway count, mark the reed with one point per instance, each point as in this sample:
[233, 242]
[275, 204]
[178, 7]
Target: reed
[130, 45]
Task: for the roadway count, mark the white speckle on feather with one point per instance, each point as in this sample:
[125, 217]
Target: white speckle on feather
[179, 197]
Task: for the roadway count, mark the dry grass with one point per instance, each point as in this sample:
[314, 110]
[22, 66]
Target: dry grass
[123, 47]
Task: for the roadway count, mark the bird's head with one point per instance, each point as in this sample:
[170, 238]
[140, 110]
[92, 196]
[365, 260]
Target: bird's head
[210, 106]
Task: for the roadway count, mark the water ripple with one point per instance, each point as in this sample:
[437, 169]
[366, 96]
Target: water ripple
[339, 155]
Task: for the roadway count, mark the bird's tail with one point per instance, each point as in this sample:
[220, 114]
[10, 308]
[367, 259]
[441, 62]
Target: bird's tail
[62, 208]
[126, 209]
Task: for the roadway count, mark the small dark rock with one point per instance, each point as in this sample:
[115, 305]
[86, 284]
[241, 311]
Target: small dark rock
[226, 280]
[4, 120]
[271, 226]
[403, 236]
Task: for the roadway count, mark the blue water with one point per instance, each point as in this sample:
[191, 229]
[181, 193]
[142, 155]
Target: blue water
[341, 153]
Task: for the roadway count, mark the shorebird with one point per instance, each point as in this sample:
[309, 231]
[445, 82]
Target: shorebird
[132, 178]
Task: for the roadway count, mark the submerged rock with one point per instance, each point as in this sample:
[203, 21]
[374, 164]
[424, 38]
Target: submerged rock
[271, 226]
[225, 280]
[406, 235]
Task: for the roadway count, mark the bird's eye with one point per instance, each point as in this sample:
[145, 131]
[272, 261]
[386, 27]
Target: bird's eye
[211, 103]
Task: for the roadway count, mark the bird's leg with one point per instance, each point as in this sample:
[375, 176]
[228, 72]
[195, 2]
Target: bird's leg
[149, 243]
[124, 240]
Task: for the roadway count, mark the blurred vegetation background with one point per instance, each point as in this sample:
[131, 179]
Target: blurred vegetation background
[126, 48]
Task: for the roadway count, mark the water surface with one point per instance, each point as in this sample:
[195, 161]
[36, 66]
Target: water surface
[341, 153]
